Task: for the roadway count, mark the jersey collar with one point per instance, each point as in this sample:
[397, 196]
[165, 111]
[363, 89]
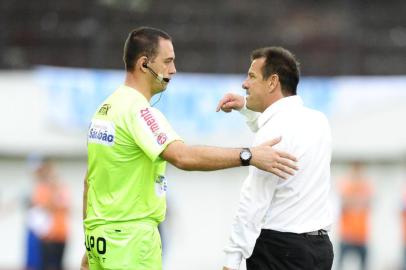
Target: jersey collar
[134, 92]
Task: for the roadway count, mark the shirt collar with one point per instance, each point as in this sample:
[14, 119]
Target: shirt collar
[281, 104]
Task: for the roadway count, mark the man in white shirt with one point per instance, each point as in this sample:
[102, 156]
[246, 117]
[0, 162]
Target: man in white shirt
[282, 224]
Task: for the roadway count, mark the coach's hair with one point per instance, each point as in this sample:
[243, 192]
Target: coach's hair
[143, 41]
[281, 62]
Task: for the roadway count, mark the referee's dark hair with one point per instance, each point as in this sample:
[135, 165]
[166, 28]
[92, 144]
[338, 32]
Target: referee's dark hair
[143, 41]
[281, 62]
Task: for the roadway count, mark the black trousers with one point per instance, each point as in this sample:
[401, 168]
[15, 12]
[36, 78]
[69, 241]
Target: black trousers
[290, 251]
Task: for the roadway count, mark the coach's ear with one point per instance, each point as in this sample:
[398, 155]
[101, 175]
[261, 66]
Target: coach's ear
[273, 82]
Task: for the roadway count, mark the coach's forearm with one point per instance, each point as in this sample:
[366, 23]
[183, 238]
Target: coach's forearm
[201, 158]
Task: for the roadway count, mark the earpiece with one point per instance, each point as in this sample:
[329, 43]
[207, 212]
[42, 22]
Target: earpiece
[145, 65]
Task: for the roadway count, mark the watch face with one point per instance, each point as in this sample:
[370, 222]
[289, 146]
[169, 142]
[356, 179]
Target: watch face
[245, 155]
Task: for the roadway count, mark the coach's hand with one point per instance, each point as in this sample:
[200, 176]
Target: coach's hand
[85, 263]
[266, 158]
[230, 102]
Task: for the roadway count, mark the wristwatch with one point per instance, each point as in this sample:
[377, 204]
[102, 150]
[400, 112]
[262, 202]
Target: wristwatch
[245, 157]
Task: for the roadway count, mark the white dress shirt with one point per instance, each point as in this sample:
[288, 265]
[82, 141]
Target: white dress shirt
[302, 202]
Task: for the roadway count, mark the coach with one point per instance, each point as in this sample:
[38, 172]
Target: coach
[282, 224]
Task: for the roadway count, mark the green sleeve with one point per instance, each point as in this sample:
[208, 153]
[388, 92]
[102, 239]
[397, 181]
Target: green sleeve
[151, 131]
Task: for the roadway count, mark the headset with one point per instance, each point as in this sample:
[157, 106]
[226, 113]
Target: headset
[163, 80]
[159, 77]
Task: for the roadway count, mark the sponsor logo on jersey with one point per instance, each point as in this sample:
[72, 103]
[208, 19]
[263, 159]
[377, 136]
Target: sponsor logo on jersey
[161, 138]
[104, 109]
[149, 120]
[101, 132]
[153, 125]
[161, 185]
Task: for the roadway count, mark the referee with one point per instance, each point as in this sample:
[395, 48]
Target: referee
[129, 143]
[282, 224]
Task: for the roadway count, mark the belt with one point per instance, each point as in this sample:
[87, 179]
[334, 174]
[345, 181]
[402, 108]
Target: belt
[319, 232]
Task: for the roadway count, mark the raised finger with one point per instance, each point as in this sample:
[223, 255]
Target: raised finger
[221, 103]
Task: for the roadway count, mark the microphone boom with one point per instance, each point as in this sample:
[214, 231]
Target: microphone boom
[159, 77]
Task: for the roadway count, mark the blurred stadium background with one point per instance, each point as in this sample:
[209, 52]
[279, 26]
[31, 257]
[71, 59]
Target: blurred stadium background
[59, 59]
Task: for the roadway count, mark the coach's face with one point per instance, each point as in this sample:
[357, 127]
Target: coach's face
[256, 86]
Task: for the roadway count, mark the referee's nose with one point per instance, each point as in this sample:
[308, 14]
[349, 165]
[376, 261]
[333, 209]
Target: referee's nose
[172, 69]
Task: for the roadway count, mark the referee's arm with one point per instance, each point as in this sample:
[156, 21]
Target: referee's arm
[209, 158]
[84, 264]
[84, 207]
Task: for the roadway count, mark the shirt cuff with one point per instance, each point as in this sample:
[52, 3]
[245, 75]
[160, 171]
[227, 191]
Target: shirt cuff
[250, 115]
[233, 260]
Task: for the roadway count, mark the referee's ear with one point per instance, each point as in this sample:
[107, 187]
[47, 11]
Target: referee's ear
[142, 64]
